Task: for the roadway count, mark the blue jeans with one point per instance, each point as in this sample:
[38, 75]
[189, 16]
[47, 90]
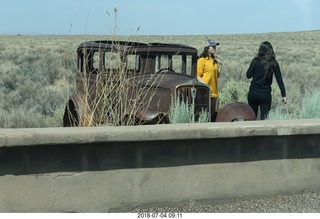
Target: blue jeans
[262, 100]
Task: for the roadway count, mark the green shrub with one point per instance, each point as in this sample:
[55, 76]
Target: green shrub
[279, 113]
[204, 116]
[56, 119]
[21, 118]
[183, 112]
[311, 105]
[32, 72]
[233, 91]
[309, 110]
[50, 100]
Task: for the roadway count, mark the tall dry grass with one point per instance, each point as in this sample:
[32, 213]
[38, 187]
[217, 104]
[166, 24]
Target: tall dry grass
[111, 100]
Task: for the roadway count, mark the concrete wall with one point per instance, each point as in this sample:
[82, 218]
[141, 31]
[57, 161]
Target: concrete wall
[112, 169]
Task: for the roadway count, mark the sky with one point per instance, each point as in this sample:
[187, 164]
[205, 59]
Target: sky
[157, 17]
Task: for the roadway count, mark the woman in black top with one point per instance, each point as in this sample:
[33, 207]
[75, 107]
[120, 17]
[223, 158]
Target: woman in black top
[261, 70]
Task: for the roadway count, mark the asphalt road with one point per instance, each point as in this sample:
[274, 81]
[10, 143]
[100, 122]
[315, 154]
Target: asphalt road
[306, 202]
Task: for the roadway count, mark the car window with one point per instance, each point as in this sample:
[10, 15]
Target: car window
[114, 60]
[179, 63]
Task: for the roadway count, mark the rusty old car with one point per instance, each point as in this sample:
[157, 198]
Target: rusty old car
[130, 83]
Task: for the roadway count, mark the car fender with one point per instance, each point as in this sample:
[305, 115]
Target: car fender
[150, 115]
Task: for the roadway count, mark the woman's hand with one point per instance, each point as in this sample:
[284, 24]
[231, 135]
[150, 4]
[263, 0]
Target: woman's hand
[284, 100]
[217, 60]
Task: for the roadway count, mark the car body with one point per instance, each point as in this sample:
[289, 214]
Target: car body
[131, 83]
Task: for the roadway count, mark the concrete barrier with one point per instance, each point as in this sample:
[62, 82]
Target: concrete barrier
[112, 169]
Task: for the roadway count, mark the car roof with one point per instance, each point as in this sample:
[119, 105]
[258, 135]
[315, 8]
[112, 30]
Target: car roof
[137, 47]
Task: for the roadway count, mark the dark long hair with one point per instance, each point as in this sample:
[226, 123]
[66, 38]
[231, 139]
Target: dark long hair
[268, 58]
[205, 53]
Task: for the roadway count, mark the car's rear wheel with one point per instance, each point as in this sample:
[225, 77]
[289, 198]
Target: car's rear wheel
[70, 117]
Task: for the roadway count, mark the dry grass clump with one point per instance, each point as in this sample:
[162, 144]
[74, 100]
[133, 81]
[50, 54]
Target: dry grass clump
[106, 101]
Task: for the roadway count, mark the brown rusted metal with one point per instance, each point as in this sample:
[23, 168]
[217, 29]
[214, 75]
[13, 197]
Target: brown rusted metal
[145, 74]
[234, 112]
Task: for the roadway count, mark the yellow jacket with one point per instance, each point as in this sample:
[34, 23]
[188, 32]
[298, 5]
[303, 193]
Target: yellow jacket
[207, 69]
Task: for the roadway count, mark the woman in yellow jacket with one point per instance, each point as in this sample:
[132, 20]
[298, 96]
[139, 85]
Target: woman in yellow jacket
[208, 70]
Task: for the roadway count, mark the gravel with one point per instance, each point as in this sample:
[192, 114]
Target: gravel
[306, 202]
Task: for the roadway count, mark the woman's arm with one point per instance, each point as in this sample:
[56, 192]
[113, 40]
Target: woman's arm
[200, 79]
[219, 62]
[250, 70]
[278, 75]
[200, 69]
